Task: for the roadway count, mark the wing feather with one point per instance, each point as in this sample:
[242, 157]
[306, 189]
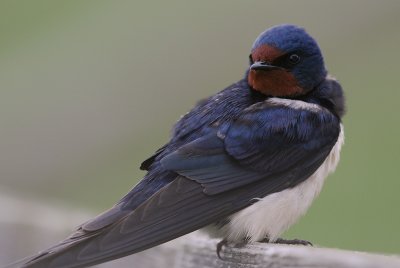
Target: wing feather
[267, 149]
[266, 141]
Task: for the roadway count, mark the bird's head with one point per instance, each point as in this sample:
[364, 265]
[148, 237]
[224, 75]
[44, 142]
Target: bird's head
[285, 61]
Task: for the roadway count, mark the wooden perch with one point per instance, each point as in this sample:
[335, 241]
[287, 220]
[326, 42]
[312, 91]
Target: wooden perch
[198, 251]
[192, 251]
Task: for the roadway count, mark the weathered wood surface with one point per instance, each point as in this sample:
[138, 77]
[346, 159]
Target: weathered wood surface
[199, 251]
[27, 226]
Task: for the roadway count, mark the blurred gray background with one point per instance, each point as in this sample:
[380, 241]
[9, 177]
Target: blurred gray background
[89, 89]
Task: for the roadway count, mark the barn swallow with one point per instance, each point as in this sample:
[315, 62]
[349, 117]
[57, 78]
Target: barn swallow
[243, 165]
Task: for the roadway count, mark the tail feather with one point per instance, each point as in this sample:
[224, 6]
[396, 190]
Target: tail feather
[178, 209]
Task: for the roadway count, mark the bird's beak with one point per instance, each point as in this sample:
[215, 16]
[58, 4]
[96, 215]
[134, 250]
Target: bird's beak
[262, 65]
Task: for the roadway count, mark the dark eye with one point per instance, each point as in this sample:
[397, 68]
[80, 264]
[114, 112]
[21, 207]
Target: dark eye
[294, 58]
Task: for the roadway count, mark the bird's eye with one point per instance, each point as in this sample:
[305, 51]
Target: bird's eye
[294, 58]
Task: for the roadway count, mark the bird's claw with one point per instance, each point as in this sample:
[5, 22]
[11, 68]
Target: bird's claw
[220, 244]
[288, 241]
[293, 242]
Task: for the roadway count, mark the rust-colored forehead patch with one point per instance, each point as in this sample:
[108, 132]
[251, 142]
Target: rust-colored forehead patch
[266, 53]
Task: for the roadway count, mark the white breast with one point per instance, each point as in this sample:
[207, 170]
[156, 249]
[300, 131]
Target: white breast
[275, 213]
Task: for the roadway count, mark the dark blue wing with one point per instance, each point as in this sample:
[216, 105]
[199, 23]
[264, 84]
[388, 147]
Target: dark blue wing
[267, 141]
[222, 106]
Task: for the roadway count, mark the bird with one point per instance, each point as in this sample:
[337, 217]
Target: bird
[243, 165]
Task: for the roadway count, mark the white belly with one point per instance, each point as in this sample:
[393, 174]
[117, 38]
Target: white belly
[275, 213]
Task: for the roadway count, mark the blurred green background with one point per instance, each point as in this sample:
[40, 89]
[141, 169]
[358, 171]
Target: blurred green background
[89, 89]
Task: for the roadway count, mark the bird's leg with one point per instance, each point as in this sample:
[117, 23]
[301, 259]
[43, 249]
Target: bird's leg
[220, 244]
[288, 241]
[224, 242]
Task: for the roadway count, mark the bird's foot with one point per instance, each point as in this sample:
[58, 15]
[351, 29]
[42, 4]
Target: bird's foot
[220, 244]
[288, 241]
[293, 242]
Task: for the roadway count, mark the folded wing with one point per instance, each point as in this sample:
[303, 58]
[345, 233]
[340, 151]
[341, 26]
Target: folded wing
[267, 149]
